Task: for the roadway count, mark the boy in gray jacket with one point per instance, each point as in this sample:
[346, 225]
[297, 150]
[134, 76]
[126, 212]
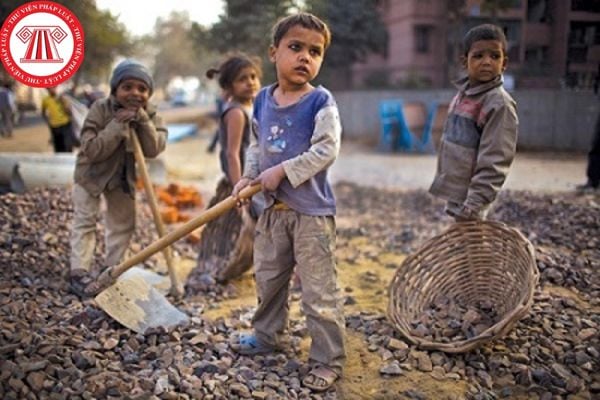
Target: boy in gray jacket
[106, 166]
[480, 135]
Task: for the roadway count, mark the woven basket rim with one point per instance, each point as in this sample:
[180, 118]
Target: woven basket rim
[497, 329]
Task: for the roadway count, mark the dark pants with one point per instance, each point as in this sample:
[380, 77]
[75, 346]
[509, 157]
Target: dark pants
[593, 169]
[62, 138]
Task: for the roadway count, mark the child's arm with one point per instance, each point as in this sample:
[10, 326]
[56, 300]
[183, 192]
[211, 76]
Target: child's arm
[234, 125]
[152, 133]
[497, 148]
[251, 166]
[99, 142]
[325, 146]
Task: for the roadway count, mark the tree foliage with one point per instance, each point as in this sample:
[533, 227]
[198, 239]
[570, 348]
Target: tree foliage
[205, 55]
[357, 31]
[175, 53]
[356, 26]
[246, 26]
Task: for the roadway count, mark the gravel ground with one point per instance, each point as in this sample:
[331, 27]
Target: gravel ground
[53, 345]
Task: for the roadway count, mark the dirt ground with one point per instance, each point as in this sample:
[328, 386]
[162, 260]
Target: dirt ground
[188, 162]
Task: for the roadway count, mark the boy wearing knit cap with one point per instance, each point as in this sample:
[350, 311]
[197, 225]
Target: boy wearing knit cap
[105, 167]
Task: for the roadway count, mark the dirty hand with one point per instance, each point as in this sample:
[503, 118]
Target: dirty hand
[242, 183]
[270, 178]
[125, 114]
[141, 116]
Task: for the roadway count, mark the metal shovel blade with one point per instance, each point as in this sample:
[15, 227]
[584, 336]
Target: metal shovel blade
[138, 306]
[162, 283]
[159, 282]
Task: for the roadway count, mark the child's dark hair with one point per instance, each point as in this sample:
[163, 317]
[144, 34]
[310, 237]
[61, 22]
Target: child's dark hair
[483, 32]
[305, 20]
[232, 66]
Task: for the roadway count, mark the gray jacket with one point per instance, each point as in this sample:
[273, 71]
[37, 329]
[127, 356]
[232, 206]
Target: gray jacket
[478, 145]
[105, 160]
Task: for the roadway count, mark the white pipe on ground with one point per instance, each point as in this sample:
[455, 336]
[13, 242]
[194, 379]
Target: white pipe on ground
[25, 171]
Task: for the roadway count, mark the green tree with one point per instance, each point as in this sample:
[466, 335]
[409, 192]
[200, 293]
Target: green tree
[246, 26]
[175, 51]
[205, 56]
[105, 39]
[357, 31]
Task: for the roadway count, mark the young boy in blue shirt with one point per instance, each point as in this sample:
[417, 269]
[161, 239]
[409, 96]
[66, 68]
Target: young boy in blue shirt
[296, 137]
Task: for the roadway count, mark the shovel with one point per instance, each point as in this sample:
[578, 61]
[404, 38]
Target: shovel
[176, 286]
[134, 302]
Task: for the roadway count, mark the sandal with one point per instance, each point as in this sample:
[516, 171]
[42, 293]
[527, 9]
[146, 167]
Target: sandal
[249, 344]
[320, 378]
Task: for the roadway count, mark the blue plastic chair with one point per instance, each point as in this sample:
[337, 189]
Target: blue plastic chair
[426, 143]
[436, 116]
[394, 130]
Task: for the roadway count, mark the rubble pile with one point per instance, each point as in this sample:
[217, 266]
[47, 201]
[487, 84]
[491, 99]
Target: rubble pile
[448, 320]
[553, 352]
[54, 345]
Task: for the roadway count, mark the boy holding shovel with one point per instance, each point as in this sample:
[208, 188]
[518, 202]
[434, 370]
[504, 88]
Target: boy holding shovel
[296, 137]
[106, 166]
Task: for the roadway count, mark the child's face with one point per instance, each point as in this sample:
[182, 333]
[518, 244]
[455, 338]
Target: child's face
[245, 85]
[132, 94]
[298, 57]
[485, 61]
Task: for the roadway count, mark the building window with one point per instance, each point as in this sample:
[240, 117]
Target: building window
[422, 38]
[585, 5]
[538, 11]
[538, 55]
[584, 33]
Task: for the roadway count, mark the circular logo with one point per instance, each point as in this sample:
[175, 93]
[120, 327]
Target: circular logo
[41, 44]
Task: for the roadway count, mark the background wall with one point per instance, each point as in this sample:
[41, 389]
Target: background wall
[555, 120]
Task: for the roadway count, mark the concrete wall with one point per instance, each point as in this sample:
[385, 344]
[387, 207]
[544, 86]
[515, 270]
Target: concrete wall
[548, 119]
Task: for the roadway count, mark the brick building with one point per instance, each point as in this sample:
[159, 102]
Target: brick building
[552, 43]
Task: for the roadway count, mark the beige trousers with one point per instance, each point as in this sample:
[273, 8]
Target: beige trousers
[119, 224]
[285, 239]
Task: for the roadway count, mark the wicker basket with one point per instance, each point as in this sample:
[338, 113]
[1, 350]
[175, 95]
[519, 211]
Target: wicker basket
[470, 262]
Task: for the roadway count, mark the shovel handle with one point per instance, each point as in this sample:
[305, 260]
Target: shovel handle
[176, 287]
[112, 273]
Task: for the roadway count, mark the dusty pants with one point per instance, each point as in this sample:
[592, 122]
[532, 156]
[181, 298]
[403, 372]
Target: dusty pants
[285, 239]
[119, 222]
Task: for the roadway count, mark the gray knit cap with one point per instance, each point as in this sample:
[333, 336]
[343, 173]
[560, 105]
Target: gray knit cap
[130, 69]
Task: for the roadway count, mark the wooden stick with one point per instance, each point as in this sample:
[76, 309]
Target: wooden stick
[176, 286]
[112, 273]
